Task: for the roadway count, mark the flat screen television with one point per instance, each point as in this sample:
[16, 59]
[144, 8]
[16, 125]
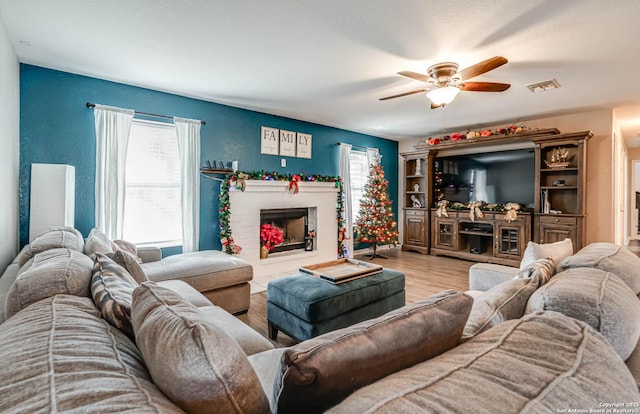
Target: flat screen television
[492, 177]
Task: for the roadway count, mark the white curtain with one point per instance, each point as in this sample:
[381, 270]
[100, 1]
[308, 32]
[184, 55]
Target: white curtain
[345, 174]
[373, 156]
[112, 137]
[188, 133]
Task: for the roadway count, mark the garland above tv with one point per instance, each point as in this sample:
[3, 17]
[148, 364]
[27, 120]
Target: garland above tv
[482, 136]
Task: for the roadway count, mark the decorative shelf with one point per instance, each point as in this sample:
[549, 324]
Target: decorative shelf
[219, 171]
[558, 169]
[476, 233]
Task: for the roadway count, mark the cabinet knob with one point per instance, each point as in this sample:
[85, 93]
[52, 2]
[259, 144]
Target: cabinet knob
[556, 220]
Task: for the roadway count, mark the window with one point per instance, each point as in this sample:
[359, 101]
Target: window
[152, 210]
[359, 169]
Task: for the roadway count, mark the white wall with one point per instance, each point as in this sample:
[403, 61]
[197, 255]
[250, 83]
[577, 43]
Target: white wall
[9, 142]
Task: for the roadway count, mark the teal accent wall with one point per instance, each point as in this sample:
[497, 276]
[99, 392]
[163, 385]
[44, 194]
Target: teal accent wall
[56, 127]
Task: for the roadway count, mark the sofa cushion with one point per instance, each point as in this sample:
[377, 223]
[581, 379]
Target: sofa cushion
[484, 276]
[557, 251]
[57, 237]
[59, 355]
[611, 258]
[98, 242]
[501, 303]
[130, 263]
[204, 270]
[49, 273]
[541, 363]
[598, 298]
[319, 372]
[194, 362]
[111, 288]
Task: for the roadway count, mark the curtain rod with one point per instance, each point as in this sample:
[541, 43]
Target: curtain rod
[92, 105]
[353, 146]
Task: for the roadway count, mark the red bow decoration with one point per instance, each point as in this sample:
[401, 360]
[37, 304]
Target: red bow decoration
[293, 184]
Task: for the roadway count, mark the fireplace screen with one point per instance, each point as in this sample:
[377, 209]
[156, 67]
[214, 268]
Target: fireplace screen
[293, 222]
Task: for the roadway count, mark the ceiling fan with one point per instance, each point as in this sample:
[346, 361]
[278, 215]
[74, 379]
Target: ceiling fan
[445, 81]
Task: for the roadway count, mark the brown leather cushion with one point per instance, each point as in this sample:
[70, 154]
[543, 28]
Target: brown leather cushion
[321, 371]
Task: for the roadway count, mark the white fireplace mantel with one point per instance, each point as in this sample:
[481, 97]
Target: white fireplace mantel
[263, 195]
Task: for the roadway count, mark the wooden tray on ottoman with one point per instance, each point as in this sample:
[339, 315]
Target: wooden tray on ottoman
[342, 270]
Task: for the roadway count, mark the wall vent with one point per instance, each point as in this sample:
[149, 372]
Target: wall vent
[543, 86]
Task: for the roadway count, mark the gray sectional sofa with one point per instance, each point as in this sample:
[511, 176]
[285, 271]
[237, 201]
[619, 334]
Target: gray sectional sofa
[84, 335]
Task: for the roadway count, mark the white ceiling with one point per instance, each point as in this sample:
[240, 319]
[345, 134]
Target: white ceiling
[328, 61]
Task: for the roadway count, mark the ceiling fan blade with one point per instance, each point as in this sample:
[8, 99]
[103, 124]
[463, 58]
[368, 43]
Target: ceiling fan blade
[403, 94]
[484, 86]
[480, 68]
[417, 76]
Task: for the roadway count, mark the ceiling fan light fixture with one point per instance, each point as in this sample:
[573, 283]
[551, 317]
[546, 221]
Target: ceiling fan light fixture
[443, 96]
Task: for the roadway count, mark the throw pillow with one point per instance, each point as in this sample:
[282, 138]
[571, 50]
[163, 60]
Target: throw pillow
[557, 251]
[58, 237]
[611, 258]
[111, 288]
[98, 242]
[598, 298]
[541, 271]
[49, 273]
[127, 247]
[319, 372]
[501, 303]
[130, 263]
[192, 360]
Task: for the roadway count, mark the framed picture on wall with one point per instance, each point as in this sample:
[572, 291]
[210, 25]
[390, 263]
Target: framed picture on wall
[287, 143]
[269, 140]
[303, 145]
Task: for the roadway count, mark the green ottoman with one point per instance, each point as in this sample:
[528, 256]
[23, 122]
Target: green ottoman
[303, 306]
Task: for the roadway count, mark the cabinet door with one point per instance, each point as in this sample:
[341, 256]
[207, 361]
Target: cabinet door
[445, 234]
[550, 233]
[510, 240]
[415, 230]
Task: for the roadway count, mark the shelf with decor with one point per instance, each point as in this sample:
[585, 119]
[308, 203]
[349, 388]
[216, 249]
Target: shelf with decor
[416, 201]
[560, 187]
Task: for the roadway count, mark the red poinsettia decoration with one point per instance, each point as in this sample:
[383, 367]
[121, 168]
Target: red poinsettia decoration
[271, 236]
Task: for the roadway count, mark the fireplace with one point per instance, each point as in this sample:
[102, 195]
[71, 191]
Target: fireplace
[294, 224]
[318, 198]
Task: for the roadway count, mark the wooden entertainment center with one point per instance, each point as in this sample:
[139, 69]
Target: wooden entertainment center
[558, 210]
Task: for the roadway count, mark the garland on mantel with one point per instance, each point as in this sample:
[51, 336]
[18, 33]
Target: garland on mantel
[237, 180]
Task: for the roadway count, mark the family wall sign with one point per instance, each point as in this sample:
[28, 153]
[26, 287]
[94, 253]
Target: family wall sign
[285, 143]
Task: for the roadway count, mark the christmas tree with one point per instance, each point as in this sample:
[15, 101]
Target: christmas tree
[375, 223]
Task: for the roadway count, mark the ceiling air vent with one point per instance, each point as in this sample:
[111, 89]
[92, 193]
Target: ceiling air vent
[543, 86]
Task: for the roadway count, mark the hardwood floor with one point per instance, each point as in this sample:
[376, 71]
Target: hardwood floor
[424, 276]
